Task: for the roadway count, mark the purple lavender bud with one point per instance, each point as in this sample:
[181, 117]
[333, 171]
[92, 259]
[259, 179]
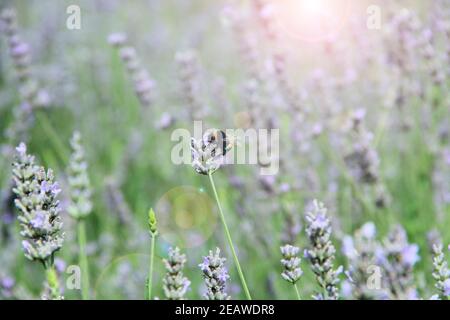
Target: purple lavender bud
[27, 248]
[380, 256]
[306, 253]
[284, 188]
[348, 247]
[446, 154]
[20, 50]
[21, 149]
[320, 222]
[410, 254]
[204, 265]
[60, 265]
[42, 99]
[117, 39]
[359, 114]
[165, 121]
[128, 53]
[446, 287]
[145, 85]
[346, 289]
[368, 230]
[8, 283]
[223, 275]
[52, 188]
[39, 220]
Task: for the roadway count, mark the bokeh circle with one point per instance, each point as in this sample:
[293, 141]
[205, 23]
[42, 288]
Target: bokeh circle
[187, 216]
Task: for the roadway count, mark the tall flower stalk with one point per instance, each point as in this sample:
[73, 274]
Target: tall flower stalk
[40, 221]
[230, 241]
[80, 204]
[152, 224]
[207, 157]
[291, 264]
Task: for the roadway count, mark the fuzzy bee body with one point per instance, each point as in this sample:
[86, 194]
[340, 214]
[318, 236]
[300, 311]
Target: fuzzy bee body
[209, 152]
[221, 140]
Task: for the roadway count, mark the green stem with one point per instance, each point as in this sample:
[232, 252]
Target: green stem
[296, 291]
[325, 292]
[150, 271]
[52, 280]
[230, 242]
[83, 260]
[52, 135]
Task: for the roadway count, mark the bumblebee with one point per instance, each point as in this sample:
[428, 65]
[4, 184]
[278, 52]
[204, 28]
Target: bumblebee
[223, 142]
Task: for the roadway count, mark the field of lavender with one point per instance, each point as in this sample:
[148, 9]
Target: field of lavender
[93, 204]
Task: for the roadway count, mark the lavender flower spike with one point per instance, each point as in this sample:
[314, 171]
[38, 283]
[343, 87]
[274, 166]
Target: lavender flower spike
[32, 96]
[322, 252]
[189, 78]
[144, 86]
[360, 253]
[291, 264]
[175, 284]
[80, 203]
[398, 257]
[80, 186]
[39, 217]
[441, 273]
[215, 275]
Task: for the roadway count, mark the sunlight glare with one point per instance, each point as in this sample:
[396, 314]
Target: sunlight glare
[311, 20]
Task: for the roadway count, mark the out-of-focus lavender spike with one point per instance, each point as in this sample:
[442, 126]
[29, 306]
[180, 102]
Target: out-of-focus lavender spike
[363, 159]
[397, 257]
[116, 202]
[144, 86]
[79, 182]
[32, 96]
[360, 253]
[188, 67]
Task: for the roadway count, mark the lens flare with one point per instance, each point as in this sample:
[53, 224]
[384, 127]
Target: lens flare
[186, 217]
[311, 20]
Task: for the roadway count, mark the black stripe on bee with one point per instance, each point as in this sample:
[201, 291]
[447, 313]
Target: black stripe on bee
[220, 138]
